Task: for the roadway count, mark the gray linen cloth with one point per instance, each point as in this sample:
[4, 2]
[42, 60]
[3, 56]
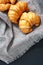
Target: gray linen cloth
[13, 43]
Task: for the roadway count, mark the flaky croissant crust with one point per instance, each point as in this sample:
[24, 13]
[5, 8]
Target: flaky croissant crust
[4, 7]
[16, 11]
[28, 20]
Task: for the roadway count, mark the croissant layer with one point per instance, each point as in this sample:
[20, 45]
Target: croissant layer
[4, 7]
[27, 21]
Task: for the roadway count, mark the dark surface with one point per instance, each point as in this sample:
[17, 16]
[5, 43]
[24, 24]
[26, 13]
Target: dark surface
[34, 56]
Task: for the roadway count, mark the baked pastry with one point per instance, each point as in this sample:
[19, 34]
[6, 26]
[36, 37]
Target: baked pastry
[24, 24]
[4, 7]
[27, 21]
[16, 11]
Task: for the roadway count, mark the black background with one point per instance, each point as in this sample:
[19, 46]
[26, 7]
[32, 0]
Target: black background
[34, 56]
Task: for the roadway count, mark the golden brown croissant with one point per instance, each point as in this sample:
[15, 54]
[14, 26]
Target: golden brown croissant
[7, 1]
[4, 7]
[27, 21]
[16, 11]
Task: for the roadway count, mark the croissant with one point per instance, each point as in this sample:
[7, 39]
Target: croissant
[4, 7]
[7, 1]
[27, 21]
[16, 11]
